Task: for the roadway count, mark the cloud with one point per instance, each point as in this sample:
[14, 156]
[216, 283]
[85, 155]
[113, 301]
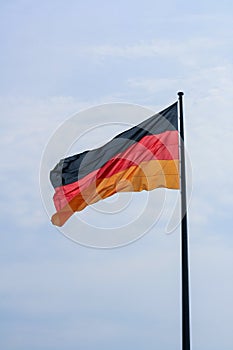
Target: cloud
[188, 52]
[27, 124]
[57, 292]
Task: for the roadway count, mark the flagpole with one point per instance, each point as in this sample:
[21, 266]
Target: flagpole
[184, 238]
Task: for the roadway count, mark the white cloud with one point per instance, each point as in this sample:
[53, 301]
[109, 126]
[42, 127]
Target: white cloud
[27, 125]
[188, 52]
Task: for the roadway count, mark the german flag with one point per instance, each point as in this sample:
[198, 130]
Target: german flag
[144, 157]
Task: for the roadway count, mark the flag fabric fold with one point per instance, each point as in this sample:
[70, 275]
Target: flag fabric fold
[143, 157]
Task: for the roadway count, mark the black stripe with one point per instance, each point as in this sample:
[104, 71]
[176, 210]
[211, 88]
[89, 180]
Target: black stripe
[165, 120]
[74, 168]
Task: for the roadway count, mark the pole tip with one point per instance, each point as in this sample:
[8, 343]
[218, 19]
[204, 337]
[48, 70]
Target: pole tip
[180, 93]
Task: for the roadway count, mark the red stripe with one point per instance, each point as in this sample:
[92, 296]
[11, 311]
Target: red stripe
[64, 194]
[161, 147]
[164, 147]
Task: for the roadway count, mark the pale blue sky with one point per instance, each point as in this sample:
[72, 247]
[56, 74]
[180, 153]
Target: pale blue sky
[57, 58]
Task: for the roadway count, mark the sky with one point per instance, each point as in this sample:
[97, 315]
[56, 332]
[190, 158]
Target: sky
[57, 59]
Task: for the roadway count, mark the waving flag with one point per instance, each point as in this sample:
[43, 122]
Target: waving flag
[144, 157]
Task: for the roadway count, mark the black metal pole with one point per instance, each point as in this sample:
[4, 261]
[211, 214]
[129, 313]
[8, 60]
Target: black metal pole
[184, 238]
